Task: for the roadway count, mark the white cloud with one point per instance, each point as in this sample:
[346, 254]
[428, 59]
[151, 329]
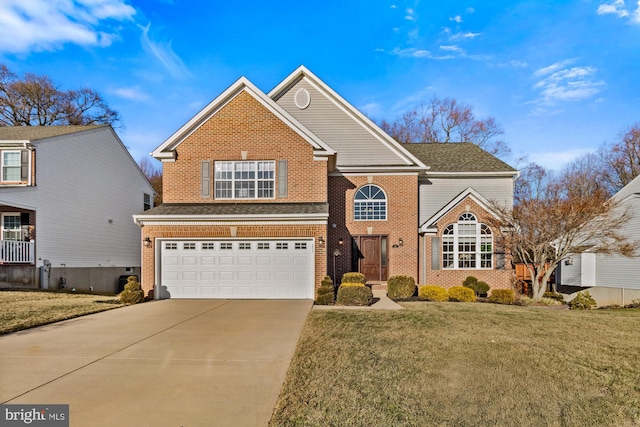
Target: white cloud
[393, 6]
[467, 35]
[456, 18]
[371, 109]
[616, 8]
[411, 52]
[451, 48]
[165, 54]
[559, 82]
[132, 93]
[27, 25]
[557, 160]
[411, 15]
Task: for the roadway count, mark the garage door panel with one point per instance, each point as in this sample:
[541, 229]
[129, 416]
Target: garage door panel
[237, 269]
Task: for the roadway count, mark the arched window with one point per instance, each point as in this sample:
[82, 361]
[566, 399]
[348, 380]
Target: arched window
[370, 203]
[467, 244]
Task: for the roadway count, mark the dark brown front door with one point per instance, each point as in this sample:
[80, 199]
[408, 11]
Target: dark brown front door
[372, 254]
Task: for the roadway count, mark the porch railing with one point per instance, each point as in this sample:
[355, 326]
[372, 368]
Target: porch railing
[17, 252]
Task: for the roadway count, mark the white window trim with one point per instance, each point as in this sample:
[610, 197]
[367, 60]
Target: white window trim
[2, 229]
[356, 201]
[3, 166]
[233, 180]
[456, 253]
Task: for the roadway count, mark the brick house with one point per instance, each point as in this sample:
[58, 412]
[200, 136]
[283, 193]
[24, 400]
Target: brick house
[265, 194]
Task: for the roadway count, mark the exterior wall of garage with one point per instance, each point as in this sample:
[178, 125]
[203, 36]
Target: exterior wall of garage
[402, 221]
[231, 231]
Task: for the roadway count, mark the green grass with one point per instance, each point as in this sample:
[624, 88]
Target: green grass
[26, 309]
[464, 364]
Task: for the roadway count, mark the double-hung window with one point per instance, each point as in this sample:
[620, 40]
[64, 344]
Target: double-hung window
[244, 180]
[11, 166]
[11, 227]
[467, 244]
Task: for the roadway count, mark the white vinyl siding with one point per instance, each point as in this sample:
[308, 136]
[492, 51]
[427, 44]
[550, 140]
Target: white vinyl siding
[434, 193]
[88, 189]
[244, 180]
[338, 129]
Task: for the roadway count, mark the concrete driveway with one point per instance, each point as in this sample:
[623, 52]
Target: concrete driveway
[161, 363]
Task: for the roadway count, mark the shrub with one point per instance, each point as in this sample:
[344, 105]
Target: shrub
[634, 304]
[354, 295]
[326, 293]
[554, 295]
[502, 296]
[401, 287]
[132, 293]
[582, 301]
[354, 278]
[479, 288]
[547, 302]
[461, 294]
[482, 288]
[469, 281]
[433, 293]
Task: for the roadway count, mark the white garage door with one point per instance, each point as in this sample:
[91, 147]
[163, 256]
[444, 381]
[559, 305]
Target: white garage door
[263, 269]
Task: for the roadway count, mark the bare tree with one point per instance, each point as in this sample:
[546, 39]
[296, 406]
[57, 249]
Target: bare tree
[154, 176]
[586, 176]
[622, 159]
[446, 120]
[36, 101]
[548, 223]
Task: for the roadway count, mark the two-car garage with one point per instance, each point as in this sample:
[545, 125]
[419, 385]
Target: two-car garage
[236, 268]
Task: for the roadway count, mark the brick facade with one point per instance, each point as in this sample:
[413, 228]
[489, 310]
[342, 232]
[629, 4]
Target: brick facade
[401, 223]
[496, 278]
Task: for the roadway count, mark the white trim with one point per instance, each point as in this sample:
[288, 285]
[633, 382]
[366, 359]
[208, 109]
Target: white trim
[166, 149]
[2, 166]
[228, 223]
[477, 197]
[470, 174]
[374, 173]
[303, 73]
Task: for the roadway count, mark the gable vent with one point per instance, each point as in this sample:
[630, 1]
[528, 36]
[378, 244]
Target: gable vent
[302, 98]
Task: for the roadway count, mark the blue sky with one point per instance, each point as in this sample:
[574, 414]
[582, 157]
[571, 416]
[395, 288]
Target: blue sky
[560, 78]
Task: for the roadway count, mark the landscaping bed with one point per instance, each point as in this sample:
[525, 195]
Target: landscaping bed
[464, 364]
[26, 309]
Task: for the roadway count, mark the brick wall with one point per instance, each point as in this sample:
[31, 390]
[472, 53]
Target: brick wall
[402, 221]
[244, 124]
[495, 278]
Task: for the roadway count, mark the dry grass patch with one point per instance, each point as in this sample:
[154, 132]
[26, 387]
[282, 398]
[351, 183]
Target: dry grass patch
[443, 364]
[26, 309]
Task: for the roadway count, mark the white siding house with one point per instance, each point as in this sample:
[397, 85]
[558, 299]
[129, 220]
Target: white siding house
[75, 206]
[610, 279]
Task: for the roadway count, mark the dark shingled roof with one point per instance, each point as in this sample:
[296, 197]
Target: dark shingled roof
[457, 157]
[32, 133]
[238, 209]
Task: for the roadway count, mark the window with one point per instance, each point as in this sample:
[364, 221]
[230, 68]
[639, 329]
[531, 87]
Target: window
[467, 244]
[11, 166]
[226, 246]
[171, 246]
[147, 201]
[300, 245]
[11, 227]
[263, 245]
[208, 246]
[370, 203]
[189, 246]
[243, 246]
[280, 245]
[244, 180]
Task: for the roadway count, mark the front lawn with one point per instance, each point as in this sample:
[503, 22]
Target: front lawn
[26, 309]
[464, 364]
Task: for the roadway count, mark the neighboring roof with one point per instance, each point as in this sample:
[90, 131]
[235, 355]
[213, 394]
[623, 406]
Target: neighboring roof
[632, 188]
[166, 149]
[235, 211]
[32, 133]
[457, 157]
[355, 137]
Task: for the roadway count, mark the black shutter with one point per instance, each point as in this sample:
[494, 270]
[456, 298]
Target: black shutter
[24, 165]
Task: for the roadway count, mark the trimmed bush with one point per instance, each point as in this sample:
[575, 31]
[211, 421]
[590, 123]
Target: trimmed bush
[461, 294]
[354, 278]
[479, 288]
[482, 288]
[354, 295]
[401, 287]
[469, 281]
[433, 293]
[582, 301]
[502, 296]
[132, 293]
[554, 295]
[326, 293]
